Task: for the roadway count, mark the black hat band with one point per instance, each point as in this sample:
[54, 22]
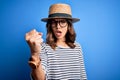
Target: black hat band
[63, 15]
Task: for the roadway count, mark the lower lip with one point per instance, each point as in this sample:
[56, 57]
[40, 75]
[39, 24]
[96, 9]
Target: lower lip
[58, 34]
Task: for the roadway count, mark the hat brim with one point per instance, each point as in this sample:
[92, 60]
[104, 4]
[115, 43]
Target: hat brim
[73, 19]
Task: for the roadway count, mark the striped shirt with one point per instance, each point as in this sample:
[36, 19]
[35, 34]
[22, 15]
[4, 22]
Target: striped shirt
[63, 63]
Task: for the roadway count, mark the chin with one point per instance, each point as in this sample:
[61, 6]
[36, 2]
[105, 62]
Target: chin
[60, 37]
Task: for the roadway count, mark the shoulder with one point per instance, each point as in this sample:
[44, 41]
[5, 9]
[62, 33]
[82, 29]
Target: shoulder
[77, 44]
[78, 47]
[45, 46]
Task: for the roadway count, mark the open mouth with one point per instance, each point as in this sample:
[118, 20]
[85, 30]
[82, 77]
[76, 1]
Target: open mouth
[58, 33]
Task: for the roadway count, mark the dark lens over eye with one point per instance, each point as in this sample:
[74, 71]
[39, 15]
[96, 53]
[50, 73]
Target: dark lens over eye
[63, 21]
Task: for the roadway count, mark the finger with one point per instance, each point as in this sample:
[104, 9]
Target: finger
[40, 33]
[37, 37]
[39, 41]
[27, 37]
[31, 33]
[36, 42]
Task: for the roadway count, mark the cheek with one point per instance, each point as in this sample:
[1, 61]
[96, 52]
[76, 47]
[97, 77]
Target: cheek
[65, 30]
[53, 31]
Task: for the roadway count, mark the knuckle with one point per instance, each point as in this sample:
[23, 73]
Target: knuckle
[34, 30]
[26, 35]
[31, 40]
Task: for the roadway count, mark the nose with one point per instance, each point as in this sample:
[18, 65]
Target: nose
[58, 25]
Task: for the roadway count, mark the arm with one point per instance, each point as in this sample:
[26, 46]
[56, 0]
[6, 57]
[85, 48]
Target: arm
[82, 65]
[37, 72]
[34, 41]
[83, 71]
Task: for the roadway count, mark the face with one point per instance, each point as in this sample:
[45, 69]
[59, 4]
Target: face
[59, 27]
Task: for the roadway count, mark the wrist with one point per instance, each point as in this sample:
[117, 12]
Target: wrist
[34, 62]
[33, 52]
[35, 58]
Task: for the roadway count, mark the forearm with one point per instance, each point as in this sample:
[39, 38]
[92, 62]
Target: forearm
[38, 73]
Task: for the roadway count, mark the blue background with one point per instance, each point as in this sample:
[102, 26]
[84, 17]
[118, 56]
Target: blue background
[98, 32]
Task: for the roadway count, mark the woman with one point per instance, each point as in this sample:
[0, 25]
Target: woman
[60, 57]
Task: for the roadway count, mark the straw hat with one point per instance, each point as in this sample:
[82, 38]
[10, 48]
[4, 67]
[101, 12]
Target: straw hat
[60, 11]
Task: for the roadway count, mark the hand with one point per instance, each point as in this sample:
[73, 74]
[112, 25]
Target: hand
[34, 40]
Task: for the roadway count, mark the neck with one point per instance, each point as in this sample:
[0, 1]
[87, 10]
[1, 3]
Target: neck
[61, 42]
